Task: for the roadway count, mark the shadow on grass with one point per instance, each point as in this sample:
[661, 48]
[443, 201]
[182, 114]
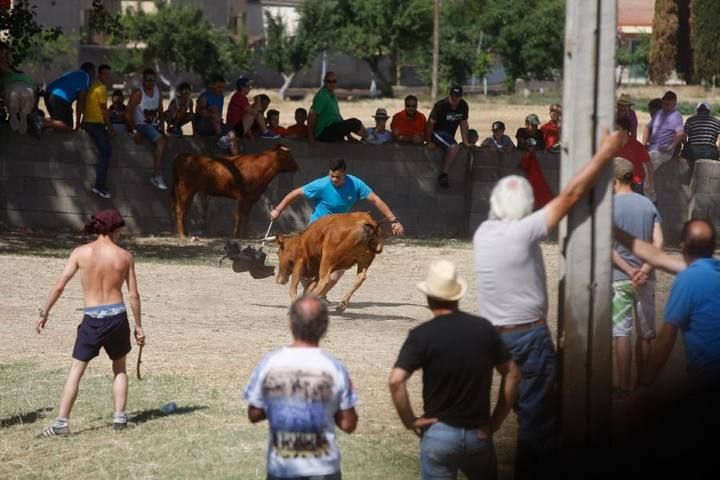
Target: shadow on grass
[147, 415]
[25, 418]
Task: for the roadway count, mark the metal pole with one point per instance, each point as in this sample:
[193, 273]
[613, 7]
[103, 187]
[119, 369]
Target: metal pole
[436, 50]
[584, 328]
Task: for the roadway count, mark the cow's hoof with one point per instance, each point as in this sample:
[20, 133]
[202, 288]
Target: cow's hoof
[340, 307]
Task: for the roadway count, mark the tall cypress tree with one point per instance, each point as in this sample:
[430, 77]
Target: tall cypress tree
[684, 55]
[705, 22]
[663, 43]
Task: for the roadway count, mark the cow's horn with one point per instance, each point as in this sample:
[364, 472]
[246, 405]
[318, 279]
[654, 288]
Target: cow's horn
[283, 147]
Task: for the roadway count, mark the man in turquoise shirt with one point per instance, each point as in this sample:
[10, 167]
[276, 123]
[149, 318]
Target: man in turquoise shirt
[325, 124]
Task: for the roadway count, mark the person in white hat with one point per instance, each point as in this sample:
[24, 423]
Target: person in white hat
[701, 134]
[379, 134]
[457, 353]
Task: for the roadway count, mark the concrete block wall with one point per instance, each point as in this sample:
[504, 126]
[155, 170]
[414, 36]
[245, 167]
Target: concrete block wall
[47, 184]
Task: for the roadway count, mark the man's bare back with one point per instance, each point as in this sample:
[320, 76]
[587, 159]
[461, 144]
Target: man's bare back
[103, 269]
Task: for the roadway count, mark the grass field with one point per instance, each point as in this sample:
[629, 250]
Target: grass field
[207, 327]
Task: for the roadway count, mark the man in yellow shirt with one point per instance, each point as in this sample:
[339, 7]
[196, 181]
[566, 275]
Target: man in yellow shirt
[96, 122]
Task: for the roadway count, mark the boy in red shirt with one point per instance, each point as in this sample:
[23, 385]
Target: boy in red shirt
[551, 130]
[640, 158]
[300, 129]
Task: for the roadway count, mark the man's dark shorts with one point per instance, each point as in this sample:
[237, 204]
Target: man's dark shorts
[111, 333]
[336, 132]
[59, 109]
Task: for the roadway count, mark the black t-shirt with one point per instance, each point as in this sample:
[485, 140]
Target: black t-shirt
[457, 353]
[446, 118]
[523, 134]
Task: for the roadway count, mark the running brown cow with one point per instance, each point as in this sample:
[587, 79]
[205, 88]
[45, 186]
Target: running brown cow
[334, 242]
[242, 177]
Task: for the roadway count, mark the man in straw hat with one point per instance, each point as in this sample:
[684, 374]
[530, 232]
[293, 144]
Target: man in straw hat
[456, 352]
[512, 295]
[624, 110]
[104, 267]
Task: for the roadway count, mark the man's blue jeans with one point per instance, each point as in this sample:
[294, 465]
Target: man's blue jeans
[445, 449]
[536, 406]
[102, 140]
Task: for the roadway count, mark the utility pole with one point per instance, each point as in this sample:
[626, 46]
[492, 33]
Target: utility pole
[584, 327]
[436, 50]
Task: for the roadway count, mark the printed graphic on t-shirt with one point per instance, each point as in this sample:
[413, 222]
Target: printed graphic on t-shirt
[296, 401]
[454, 116]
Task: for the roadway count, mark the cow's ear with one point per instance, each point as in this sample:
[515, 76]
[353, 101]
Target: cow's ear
[279, 240]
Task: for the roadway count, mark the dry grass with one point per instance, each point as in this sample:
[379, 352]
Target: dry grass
[207, 328]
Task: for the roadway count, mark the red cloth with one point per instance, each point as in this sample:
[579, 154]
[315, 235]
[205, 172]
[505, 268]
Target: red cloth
[638, 155]
[551, 132]
[238, 106]
[299, 131]
[541, 190]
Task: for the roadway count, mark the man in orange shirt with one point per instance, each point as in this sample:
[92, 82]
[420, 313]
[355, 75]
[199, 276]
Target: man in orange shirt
[408, 126]
[640, 158]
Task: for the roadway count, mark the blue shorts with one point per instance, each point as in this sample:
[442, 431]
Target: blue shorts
[151, 132]
[110, 332]
[443, 139]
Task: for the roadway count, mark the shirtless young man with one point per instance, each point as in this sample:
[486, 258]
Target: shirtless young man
[104, 267]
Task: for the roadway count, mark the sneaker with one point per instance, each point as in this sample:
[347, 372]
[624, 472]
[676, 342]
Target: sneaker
[35, 125]
[158, 182]
[268, 135]
[119, 426]
[53, 431]
[100, 191]
[443, 180]
[223, 143]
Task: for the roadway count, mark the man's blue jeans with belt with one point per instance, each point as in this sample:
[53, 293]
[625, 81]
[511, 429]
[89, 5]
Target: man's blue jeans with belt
[102, 140]
[446, 449]
[536, 407]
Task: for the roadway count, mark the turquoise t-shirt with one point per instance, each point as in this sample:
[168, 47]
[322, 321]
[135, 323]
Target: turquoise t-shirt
[330, 199]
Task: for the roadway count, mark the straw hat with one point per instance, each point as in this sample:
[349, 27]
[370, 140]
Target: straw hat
[442, 282]
[625, 99]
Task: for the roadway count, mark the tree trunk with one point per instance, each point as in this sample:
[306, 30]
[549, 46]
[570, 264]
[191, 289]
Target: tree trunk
[383, 83]
[287, 79]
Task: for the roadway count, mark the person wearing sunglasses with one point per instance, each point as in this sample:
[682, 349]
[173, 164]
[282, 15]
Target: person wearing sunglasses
[180, 110]
[408, 125]
[325, 124]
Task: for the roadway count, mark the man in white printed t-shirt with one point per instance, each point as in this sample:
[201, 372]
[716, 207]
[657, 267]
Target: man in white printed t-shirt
[303, 392]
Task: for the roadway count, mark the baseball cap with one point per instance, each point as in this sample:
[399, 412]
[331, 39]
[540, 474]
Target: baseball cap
[242, 82]
[498, 125]
[380, 113]
[532, 119]
[623, 168]
[669, 95]
[456, 91]
[703, 106]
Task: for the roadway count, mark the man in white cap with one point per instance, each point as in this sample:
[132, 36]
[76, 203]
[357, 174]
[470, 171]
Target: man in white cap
[701, 132]
[456, 352]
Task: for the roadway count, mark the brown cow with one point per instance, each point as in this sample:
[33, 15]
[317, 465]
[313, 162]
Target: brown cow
[335, 242]
[242, 177]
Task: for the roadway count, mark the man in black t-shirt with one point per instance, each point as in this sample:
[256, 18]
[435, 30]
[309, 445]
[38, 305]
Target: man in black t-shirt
[530, 136]
[445, 117]
[456, 352]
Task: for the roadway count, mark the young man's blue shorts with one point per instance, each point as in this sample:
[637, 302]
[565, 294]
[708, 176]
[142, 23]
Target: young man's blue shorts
[110, 332]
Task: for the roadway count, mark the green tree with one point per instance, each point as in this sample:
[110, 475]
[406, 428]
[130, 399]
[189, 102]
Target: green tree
[22, 32]
[705, 38]
[375, 30]
[635, 56]
[663, 43]
[52, 54]
[285, 53]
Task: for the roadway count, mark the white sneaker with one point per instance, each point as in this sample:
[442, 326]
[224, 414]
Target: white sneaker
[158, 182]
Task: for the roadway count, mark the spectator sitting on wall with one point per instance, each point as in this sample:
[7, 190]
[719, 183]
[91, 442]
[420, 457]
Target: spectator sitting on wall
[701, 131]
[180, 110]
[498, 142]
[273, 123]
[644, 177]
[144, 115]
[379, 134]
[624, 110]
[60, 95]
[531, 130]
[118, 111]
[300, 129]
[654, 106]
[208, 116]
[473, 137]
[446, 116]
[96, 122]
[408, 125]
[325, 124]
[551, 130]
[18, 92]
[244, 118]
[667, 131]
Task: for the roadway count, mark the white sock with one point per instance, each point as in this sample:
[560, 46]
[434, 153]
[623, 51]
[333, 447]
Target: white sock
[119, 417]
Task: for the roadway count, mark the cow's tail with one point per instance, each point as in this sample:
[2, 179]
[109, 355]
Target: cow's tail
[376, 239]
